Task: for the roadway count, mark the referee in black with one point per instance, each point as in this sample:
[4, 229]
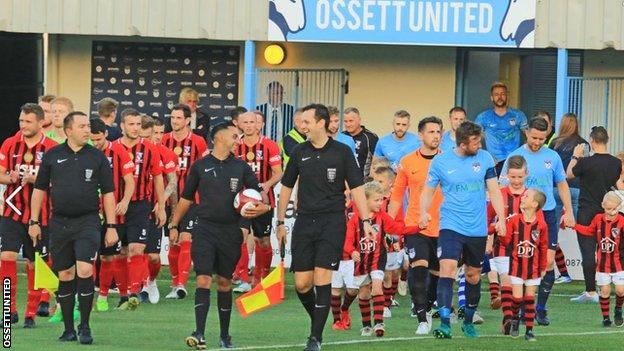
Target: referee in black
[217, 236]
[73, 174]
[322, 166]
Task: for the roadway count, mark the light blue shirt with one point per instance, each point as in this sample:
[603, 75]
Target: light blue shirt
[545, 169]
[394, 150]
[502, 133]
[447, 144]
[462, 179]
[347, 140]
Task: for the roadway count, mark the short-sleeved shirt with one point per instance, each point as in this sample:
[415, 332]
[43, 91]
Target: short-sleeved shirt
[502, 133]
[393, 149]
[147, 164]
[545, 169]
[188, 150]
[447, 144]
[322, 174]
[463, 182]
[74, 179]
[597, 174]
[347, 140]
[217, 182]
[261, 157]
[121, 165]
[365, 144]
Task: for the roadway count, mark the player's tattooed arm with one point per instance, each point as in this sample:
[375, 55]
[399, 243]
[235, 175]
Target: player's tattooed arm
[171, 191]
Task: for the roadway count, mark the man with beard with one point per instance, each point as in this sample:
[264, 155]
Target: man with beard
[398, 143]
[45, 101]
[502, 125]
[457, 116]
[334, 133]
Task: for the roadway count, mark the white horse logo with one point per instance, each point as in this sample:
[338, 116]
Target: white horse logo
[285, 16]
[519, 23]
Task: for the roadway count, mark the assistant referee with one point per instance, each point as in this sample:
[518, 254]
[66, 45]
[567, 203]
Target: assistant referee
[217, 236]
[74, 173]
[322, 166]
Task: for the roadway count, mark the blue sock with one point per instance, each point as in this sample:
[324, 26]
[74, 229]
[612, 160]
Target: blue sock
[461, 291]
[544, 290]
[473, 295]
[445, 299]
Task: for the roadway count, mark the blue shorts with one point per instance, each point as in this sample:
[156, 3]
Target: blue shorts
[553, 229]
[455, 246]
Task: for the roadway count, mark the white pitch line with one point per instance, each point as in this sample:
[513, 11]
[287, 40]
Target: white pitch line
[369, 341]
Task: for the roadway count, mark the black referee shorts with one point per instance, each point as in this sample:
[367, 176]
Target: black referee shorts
[137, 223]
[14, 236]
[74, 239]
[216, 248]
[317, 241]
[422, 247]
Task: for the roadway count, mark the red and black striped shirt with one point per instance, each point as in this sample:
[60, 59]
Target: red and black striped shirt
[608, 235]
[16, 155]
[528, 244]
[373, 254]
[122, 165]
[511, 202]
[188, 150]
[261, 156]
[147, 164]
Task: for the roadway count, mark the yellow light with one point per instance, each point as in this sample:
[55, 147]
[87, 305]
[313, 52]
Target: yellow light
[274, 54]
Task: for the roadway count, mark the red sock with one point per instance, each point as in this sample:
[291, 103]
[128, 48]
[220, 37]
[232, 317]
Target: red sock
[145, 268]
[604, 307]
[135, 273]
[560, 260]
[154, 269]
[120, 272]
[8, 269]
[106, 277]
[619, 300]
[263, 263]
[266, 262]
[529, 312]
[506, 301]
[33, 296]
[378, 308]
[184, 262]
[242, 267]
[387, 293]
[172, 256]
[45, 296]
[335, 307]
[365, 312]
[395, 285]
[494, 290]
[515, 306]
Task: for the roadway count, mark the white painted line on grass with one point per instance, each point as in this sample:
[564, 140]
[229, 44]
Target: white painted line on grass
[368, 341]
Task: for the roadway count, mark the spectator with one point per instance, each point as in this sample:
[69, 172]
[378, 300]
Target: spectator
[107, 110]
[200, 121]
[502, 125]
[365, 140]
[279, 115]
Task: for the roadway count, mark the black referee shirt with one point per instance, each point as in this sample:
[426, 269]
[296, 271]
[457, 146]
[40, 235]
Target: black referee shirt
[217, 183]
[74, 179]
[322, 174]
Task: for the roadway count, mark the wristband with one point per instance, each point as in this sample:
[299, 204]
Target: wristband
[33, 222]
[110, 225]
[367, 220]
[278, 223]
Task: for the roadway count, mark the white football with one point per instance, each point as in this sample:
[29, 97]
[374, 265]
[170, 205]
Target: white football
[246, 199]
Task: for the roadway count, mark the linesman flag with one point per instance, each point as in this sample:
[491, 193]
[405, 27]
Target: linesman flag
[44, 277]
[269, 292]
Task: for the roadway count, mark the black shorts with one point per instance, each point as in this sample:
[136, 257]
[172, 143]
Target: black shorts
[137, 223]
[453, 246]
[216, 248]
[14, 236]
[189, 221]
[262, 225]
[154, 237]
[422, 247]
[317, 241]
[109, 251]
[74, 239]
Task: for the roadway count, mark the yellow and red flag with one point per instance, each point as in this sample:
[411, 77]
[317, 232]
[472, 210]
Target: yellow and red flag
[269, 292]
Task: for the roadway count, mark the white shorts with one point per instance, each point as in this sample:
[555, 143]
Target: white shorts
[528, 282]
[394, 260]
[367, 278]
[343, 277]
[500, 265]
[616, 278]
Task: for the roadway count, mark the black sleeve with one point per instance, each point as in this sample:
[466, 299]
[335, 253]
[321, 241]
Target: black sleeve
[249, 178]
[106, 174]
[292, 169]
[43, 175]
[373, 143]
[353, 174]
[578, 168]
[192, 183]
[289, 145]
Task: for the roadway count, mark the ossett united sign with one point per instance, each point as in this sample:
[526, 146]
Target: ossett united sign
[490, 23]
